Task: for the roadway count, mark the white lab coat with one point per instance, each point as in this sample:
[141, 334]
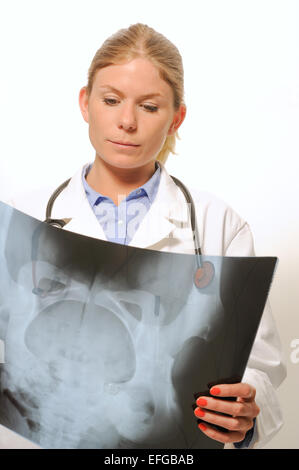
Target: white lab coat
[166, 227]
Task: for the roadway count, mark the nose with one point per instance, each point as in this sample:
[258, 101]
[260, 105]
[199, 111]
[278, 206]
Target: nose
[127, 118]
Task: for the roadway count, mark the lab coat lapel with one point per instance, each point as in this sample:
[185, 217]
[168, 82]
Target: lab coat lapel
[168, 210]
[72, 203]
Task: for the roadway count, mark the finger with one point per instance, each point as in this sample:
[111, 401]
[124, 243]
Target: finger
[210, 431]
[242, 390]
[228, 422]
[233, 408]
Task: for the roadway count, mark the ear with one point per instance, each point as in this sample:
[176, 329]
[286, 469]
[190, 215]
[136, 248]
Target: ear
[83, 103]
[178, 119]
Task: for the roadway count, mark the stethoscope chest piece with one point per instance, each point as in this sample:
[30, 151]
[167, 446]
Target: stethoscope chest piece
[58, 223]
[204, 275]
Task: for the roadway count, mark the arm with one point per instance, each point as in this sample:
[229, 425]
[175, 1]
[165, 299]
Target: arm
[266, 367]
[264, 373]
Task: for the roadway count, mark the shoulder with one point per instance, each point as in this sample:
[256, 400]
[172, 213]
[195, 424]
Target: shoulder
[211, 205]
[222, 229]
[31, 202]
[34, 202]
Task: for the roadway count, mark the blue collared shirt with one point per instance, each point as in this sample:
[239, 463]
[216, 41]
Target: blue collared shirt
[121, 222]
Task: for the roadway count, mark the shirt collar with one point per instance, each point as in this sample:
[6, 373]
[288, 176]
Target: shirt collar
[149, 188]
[92, 195]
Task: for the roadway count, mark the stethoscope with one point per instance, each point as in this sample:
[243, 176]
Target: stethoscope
[205, 270]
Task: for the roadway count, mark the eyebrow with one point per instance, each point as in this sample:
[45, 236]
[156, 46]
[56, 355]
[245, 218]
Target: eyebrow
[148, 95]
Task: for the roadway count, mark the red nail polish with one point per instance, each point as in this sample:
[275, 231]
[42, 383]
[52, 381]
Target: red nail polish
[201, 402]
[202, 426]
[215, 391]
[199, 413]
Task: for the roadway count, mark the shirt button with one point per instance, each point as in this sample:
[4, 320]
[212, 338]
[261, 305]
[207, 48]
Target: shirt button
[120, 222]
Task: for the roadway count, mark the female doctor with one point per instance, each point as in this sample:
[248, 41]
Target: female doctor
[133, 104]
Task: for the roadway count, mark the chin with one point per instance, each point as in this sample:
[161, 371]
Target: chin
[123, 161]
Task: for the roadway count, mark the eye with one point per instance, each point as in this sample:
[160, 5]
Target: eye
[151, 109]
[147, 107]
[110, 101]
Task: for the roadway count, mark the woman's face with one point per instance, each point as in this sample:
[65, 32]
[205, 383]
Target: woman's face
[130, 103]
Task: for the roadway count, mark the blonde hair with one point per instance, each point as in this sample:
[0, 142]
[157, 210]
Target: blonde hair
[140, 40]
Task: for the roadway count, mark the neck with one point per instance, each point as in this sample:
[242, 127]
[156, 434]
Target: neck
[117, 183]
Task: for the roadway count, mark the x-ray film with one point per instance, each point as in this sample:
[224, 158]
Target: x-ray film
[107, 346]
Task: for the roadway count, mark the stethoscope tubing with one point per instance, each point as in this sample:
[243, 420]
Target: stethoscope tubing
[60, 222]
[205, 271]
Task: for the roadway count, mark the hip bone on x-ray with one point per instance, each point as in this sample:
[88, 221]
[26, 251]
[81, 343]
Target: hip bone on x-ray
[108, 346]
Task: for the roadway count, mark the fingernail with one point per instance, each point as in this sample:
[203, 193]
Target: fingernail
[199, 413]
[215, 391]
[201, 402]
[202, 426]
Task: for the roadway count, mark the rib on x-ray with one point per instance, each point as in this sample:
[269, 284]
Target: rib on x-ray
[107, 346]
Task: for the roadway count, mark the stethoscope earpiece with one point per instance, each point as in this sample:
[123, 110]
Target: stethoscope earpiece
[204, 275]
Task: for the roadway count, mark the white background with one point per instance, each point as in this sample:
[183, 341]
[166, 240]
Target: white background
[239, 139]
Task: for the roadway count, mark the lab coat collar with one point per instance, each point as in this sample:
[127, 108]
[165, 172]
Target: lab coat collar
[168, 211]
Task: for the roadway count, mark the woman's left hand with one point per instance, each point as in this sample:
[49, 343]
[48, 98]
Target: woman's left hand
[242, 412]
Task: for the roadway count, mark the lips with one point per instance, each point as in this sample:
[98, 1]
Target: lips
[128, 144]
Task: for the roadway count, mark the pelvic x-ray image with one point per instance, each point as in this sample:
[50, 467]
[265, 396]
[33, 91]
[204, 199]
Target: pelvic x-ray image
[108, 346]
